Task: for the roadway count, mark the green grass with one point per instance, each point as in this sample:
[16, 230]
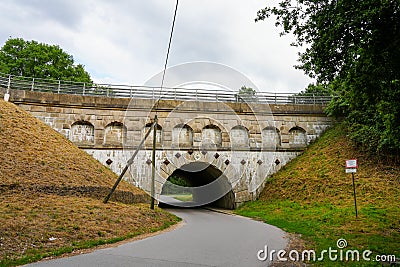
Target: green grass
[322, 224]
[184, 198]
[312, 196]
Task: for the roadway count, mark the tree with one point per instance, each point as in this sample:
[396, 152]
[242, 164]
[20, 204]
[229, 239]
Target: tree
[354, 47]
[316, 90]
[247, 94]
[314, 93]
[32, 59]
[176, 185]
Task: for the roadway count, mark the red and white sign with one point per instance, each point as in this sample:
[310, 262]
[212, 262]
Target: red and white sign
[351, 164]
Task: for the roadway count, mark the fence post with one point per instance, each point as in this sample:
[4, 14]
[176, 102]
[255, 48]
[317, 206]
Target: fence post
[59, 85]
[9, 84]
[33, 84]
[314, 98]
[84, 88]
[275, 99]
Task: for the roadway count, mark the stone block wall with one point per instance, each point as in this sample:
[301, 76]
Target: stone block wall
[252, 139]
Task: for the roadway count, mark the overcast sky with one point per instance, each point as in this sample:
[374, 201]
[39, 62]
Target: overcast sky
[125, 41]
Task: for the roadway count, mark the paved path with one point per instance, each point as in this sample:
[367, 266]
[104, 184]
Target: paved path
[206, 239]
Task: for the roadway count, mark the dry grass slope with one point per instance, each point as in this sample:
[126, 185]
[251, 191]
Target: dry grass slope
[33, 153]
[318, 175]
[51, 194]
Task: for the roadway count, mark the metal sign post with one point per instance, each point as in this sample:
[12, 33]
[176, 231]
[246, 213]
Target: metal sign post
[354, 193]
[351, 167]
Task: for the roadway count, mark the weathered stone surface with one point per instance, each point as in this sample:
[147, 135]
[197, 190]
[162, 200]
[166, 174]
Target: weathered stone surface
[247, 144]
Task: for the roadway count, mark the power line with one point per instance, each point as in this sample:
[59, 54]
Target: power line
[155, 123]
[167, 56]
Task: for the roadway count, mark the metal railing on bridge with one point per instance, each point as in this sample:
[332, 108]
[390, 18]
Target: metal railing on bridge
[133, 91]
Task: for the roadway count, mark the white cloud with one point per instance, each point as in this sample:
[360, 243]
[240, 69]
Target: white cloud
[126, 41]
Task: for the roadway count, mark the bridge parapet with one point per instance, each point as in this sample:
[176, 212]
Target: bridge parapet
[149, 92]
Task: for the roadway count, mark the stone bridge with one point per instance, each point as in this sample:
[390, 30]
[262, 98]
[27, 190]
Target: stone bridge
[226, 150]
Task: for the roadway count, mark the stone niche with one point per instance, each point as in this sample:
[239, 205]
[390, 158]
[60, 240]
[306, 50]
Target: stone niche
[149, 141]
[211, 137]
[271, 137]
[297, 137]
[182, 136]
[239, 137]
[82, 132]
[114, 134]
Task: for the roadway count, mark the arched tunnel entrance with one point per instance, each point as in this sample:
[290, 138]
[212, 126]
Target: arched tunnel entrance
[197, 184]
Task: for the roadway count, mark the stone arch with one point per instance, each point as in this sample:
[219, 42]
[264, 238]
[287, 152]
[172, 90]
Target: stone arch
[297, 137]
[211, 136]
[115, 133]
[182, 136]
[207, 184]
[271, 137]
[82, 132]
[149, 140]
[239, 137]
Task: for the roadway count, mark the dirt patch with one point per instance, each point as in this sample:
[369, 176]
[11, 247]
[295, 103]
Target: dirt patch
[295, 243]
[96, 192]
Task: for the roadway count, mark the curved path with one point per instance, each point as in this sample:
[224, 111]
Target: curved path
[206, 239]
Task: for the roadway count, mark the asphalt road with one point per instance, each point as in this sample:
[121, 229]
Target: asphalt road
[207, 238]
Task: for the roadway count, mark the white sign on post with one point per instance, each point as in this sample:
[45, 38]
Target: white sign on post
[351, 164]
[351, 167]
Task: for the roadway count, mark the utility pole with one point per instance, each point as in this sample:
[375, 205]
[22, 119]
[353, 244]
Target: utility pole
[153, 162]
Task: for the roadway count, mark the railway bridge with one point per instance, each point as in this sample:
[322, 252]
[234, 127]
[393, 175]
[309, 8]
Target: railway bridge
[221, 144]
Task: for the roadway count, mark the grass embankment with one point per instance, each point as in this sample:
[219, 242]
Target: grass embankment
[183, 197]
[313, 196]
[51, 195]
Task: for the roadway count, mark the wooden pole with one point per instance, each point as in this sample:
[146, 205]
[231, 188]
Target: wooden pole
[153, 162]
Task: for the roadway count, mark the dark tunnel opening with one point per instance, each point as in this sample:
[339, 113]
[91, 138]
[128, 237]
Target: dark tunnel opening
[197, 184]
